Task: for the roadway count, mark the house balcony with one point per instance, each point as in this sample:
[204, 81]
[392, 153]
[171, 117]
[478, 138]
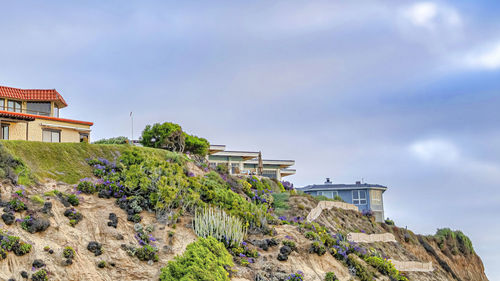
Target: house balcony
[287, 172]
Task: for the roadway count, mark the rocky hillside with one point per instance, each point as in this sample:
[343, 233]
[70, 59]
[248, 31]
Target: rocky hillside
[113, 212]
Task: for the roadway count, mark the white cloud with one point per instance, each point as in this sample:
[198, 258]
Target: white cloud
[431, 15]
[435, 150]
[488, 58]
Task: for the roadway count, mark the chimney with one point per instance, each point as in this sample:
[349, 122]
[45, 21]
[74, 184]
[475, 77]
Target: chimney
[328, 181]
[358, 182]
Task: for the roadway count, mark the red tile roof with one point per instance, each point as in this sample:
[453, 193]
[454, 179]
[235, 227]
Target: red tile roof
[31, 117]
[33, 95]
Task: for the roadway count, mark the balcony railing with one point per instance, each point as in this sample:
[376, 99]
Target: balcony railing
[19, 110]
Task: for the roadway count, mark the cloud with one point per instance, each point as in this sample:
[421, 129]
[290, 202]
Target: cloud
[431, 15]
[435, 150]
[487, 58]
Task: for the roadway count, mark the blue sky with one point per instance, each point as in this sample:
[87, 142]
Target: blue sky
[400, 93]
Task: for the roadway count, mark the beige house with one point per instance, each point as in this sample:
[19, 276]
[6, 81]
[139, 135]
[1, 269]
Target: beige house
[249, 163]
[34, 115]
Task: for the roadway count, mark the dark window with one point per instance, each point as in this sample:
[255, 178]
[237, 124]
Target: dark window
[2, 104]
[38, 108]
[269, 174]
[84, 137]
[14, 106]
[51, 136]
[4, 134]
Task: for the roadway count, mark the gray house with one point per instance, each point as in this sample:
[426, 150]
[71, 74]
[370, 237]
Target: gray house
[367, 197]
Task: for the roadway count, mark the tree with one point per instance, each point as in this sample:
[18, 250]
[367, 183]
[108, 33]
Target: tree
[170, 136]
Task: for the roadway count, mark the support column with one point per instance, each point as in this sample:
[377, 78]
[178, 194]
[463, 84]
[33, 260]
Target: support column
[1, 130]
[27, 126]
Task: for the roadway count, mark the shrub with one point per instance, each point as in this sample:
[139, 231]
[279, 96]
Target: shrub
[317, 248]
[311, 235]
[205, 259]
[338, 198]
[222, 169]
[455, 240]
[299, 276]
[385, 267]
[114, 140]
[37, 199]
[40, 275]
[73, 200]
[361, 271]
[290, 244]
[68, 253]
[86, 187]
[389, 221]
[330, 276]
[216, 223]
[147, 253]
[101, 264]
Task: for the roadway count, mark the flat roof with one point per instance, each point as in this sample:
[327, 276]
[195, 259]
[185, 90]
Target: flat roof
[333, 186]
[33, 116]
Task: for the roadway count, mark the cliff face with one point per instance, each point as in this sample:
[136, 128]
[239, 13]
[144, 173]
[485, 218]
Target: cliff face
[285, 245]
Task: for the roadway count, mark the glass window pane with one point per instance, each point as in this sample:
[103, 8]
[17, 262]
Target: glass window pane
[362, 194]
[38, 108]
[46, 136]
[55, 137]
[2, 104]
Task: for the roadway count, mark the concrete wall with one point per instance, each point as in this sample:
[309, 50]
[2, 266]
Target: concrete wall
[371, 238]
[17, 131]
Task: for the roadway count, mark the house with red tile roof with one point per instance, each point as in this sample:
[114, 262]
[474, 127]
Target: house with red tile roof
[34, 115]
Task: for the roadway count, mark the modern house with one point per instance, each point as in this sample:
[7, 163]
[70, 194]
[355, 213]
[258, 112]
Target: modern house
[367, 197]
[34, 115]
[249, 163]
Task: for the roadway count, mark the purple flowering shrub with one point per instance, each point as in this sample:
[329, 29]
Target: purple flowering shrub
[299, 276]
[10, 243]
[18, 201]
[243, 254]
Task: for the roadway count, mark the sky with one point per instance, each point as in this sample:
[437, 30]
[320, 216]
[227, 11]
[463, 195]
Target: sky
[400, 93]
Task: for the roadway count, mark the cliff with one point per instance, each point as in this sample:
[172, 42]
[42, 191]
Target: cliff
[135, 200]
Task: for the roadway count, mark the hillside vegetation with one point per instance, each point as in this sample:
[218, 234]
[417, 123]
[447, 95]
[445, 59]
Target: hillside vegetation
[110, 212]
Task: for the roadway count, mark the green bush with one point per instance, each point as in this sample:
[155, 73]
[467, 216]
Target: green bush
[290, 244]
[456, 241]
[86, 187]
[389, 221]
[206, 259]
[361, 271]
[318, 248]
[115, 140]
[330, 276]
[40, 275]
[37, 199]
[216, 223]
[68, 253]
[385, 267]
[147, 253]
[73, 200]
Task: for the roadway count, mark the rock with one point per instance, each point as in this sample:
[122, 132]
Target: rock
[24, 274]
[12, 279]
[113, 220]
[47, 208]
[284, 252]
[8, 218]
[119, 236]
[95, 248]
[38, 263]
[51, 251]
[67, 262]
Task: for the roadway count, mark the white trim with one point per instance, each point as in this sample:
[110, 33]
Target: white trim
[64, 127]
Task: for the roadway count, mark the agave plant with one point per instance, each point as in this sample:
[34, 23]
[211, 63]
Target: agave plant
[223, 227]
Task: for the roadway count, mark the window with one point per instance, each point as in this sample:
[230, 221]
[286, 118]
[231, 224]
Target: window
[14, 106]
[328, 194]
[359, 197]
[4, 134]
[56, 111]
[212, 165]
[51, 136]
[38, 108]
[235, 168]
[2, 104]
[376, 196]
[269, 173]
[84, 137]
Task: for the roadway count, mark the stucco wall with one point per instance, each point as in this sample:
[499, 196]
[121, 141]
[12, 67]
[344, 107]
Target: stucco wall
[17, 131]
